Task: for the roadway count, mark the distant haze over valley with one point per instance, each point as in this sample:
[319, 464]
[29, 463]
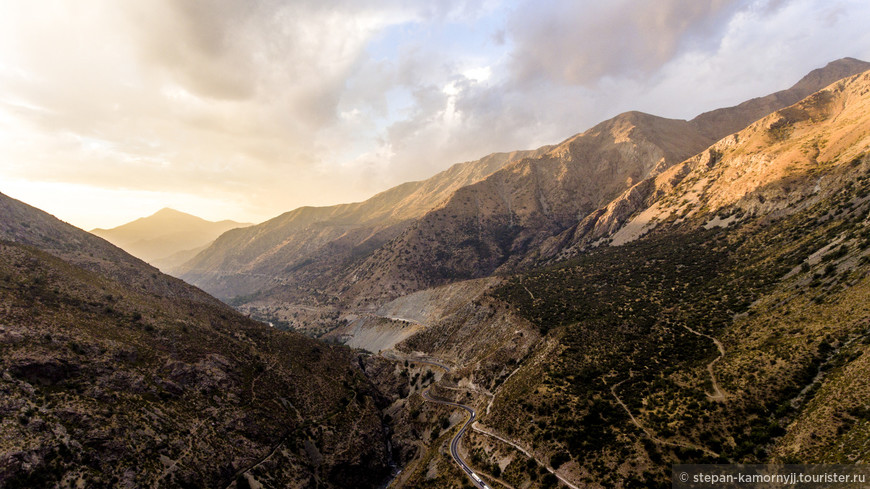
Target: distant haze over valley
[167, 238]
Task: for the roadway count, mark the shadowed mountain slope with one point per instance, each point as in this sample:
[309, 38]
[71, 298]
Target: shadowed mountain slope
[485, 225]
[115, 375]
[312, 241]
[501, 223]
[28, 225]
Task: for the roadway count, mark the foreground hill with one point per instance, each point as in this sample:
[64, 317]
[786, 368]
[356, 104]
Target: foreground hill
[107, 381]
[635, 357]
[28, 225]
[166, 238]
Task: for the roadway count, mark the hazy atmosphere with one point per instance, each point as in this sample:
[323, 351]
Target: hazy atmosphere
[242, 110]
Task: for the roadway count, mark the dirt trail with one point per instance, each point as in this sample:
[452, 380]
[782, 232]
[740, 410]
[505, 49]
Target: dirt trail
[718, 394]
[492, 396]
[649, 433]
[530, 292]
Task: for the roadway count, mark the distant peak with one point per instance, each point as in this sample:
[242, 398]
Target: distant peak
[638, 116]
[169, 211]
[846, 60]
[632, 118]
[846, 64]
[831, 72]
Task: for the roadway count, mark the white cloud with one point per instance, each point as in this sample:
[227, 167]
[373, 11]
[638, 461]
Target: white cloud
[271, 105]
[479, 74]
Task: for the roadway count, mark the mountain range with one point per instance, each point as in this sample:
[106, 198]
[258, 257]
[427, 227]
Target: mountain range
[716, 311]
[503, 213]
[645, 293]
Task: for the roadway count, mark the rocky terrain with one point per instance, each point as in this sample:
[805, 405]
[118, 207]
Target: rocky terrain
[704, 280]
[778, 165]
[499, 224]
[108, 381]
[643, 379]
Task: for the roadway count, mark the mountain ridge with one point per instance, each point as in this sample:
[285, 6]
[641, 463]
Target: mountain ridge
[523, 249]
[479, 233]
[643, 303]
[508, 212]
[293, 236]
[723, 121]
[698, 182]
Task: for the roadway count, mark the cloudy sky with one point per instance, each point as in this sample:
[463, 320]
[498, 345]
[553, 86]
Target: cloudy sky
[242, 109]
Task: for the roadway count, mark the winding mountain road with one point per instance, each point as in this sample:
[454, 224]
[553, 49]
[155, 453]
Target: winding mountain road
[454, 443]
